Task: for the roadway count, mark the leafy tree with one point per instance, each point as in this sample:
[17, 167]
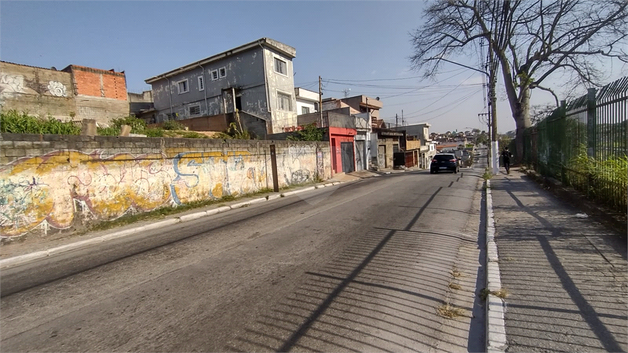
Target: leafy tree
[532, 40]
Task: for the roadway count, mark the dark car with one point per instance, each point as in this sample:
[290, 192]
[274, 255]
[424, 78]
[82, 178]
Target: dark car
[444, 161]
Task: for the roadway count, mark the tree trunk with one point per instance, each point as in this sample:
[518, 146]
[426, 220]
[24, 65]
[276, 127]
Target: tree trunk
[521, 114]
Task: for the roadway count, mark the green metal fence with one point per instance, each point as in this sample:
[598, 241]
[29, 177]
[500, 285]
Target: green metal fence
[584, 144]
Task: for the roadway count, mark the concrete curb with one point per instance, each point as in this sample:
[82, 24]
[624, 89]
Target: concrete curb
[21, 259]
[495, 306]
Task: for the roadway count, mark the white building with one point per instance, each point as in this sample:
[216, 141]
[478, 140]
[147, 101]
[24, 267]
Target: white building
[307, 101]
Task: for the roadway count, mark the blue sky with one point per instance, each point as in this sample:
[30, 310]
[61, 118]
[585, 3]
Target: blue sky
[346, 43]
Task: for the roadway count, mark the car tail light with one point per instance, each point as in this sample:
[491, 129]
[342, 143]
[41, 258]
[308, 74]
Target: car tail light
[452, 160]
[434, 160]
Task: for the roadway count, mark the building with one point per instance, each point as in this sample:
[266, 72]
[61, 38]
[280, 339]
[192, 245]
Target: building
[307, 101]
[255, 78]
[74, 93]
[421, 133]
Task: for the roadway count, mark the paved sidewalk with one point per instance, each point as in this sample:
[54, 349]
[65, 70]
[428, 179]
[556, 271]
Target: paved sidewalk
[565, 274]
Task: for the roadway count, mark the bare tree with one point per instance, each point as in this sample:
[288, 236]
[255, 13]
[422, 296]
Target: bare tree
[531, 40]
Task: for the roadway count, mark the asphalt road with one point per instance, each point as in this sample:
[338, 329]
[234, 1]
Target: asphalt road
[363, 266]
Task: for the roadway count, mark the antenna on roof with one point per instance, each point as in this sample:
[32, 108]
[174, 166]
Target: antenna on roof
[346, 91]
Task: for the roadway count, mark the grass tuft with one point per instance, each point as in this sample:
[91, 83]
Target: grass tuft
[450, 311]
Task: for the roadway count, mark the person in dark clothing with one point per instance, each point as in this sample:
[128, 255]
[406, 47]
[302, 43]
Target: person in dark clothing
[506, 155]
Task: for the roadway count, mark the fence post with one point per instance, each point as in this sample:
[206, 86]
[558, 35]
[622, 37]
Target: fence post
[591, 134]
[591, 123]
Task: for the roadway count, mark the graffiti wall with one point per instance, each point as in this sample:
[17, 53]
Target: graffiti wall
[61, 188]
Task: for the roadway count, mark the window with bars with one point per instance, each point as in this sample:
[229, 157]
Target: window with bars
[183, 86]
[201, 83]
[195, 110]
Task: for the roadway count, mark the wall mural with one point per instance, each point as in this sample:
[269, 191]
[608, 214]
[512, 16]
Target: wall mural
[57, 89]
[11, 84]
[56, 189]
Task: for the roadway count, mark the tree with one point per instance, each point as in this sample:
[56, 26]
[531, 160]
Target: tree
[532, 40]
[309, 133]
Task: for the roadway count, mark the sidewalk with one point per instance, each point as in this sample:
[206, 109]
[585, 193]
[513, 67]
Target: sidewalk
[564, 274]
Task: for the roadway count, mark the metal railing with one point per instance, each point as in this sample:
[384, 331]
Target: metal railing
[584, 144]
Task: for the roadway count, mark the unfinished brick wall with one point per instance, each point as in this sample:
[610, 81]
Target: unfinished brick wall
[98, 83]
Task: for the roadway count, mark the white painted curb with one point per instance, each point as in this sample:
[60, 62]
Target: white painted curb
[495, 307]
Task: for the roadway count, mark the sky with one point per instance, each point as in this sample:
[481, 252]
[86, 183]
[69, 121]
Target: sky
[357, 47]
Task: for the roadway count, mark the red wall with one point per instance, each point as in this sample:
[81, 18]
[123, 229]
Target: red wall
[336, 136]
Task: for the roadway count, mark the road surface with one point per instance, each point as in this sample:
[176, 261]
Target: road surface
[373, 265]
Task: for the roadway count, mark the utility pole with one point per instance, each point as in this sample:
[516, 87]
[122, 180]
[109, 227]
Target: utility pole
[402, 122]
[396, 120]
[320, 102]
[493, 109]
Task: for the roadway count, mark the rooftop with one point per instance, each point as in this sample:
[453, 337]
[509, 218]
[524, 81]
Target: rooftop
[263, 42]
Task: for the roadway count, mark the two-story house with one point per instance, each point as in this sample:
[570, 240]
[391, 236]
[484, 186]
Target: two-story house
[255, 78]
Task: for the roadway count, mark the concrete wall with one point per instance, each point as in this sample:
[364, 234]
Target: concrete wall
[282, 119]
[75, 93]
[36, 90]
[49, 183]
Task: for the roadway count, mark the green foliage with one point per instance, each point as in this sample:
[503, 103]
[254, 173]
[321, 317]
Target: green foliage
[233, 132]
[154, 132]
[606, 178]
[192, 135]
[173, 125]
[138, 126]
[309, 133]
[15, 122]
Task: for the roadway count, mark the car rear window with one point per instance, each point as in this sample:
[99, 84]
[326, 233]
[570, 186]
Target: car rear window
[444, 157]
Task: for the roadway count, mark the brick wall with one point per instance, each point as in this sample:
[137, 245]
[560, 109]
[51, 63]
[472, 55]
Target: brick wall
[50, 183]
[98, 83]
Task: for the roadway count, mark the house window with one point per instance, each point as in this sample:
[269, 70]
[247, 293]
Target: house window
[201, 83]
[283, 101]
[183, 86]
[195, 110]
[214, 74]
[222, 72]
[305, 110]
[280, 66]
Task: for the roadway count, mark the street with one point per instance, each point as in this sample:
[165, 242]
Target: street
[373, 265]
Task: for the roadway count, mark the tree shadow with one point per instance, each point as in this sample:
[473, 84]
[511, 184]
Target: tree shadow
[380, 294]
[564, 291]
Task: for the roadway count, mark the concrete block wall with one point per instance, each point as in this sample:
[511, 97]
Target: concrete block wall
[49, 183]
[37, 90]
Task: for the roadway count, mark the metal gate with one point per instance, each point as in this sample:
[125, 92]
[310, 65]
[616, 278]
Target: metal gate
[359, 155]
[346, 149]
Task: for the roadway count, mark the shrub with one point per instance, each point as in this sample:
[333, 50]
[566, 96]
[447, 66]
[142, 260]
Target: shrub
[173, 125]
[15, 122]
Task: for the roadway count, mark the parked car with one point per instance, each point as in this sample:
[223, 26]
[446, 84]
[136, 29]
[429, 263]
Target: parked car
[444, 161]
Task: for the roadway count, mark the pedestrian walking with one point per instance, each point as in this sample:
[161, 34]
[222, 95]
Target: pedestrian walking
[506, 155]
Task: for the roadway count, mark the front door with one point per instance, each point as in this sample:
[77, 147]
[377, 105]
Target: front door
[348, 161]
[381, 156]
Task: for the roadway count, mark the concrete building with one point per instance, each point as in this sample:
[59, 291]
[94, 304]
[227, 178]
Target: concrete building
[357, 104]
[307, 101]
[421, 133]
[256, 78]
[74, 93]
